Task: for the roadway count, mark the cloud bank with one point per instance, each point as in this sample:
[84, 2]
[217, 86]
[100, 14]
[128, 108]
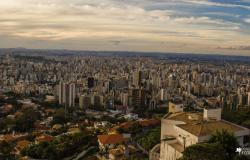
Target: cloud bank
[135, 25]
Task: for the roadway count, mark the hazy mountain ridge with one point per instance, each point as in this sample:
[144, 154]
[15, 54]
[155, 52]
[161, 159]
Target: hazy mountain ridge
[174, 56]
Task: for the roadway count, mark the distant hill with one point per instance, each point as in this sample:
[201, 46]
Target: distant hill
[169, 56]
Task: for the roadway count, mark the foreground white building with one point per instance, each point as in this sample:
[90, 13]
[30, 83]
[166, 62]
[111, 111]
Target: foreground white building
[182, 129]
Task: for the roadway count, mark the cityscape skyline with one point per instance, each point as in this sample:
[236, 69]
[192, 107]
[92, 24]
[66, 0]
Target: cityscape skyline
[183, 26]
[94, 106]
[125, 79]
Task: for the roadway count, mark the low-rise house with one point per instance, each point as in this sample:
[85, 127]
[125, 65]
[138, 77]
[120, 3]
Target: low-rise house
[149, 122]
[116, 154]
[101, 124]
[21, 145]
[131, 116]
[13, 137]
[108, 141]
[44, 138]
[74, 130]
[57, 127]
[120, 152]
[145, 123]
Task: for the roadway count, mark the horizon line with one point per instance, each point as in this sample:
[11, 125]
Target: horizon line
[118, 51]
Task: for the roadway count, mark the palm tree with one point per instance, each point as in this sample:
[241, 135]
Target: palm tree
[227, 140]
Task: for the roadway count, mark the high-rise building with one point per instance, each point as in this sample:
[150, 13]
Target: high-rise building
[124, 98]
[91, 82]
[248, 99]
[138, 98]
[84, 101]
[172, 81]
[136, 78]
[60, 93]
[72, 94]
[67, 94]
[97, 100]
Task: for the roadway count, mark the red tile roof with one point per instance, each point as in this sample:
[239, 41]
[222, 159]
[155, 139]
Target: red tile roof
[9, 137]
[111, 139]
[143, 123]
[45, 138]
[150, 122]
[22, 144]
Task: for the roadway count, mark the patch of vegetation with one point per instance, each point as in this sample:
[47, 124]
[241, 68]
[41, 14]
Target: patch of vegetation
[23, 123]
[61, 147]
[221, 146]
[149, 139]
[241, 117]
[5, 150]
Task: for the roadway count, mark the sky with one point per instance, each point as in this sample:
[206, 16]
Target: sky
[183, 26]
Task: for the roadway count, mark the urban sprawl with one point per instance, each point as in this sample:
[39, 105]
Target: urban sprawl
[120, 107]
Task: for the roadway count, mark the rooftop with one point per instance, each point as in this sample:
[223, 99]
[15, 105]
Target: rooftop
[111, 138]
[209, 127]
[45, 138]
[187, 117]
[22, 144]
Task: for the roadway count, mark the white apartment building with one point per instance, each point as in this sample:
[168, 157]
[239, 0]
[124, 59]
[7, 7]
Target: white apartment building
[182, 129]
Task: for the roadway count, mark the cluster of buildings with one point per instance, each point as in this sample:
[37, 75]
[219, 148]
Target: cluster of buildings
[132, 85]
[136, 82]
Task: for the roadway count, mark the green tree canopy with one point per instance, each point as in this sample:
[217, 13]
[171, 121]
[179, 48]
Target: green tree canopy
[26, 121]
[221, 146]
[204, 151]
[227, 140]
[5, 150]
[61, 116]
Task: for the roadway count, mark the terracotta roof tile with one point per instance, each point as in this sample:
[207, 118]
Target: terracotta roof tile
[45, 138]
[150, 122]
[111, 139]
[22, 144]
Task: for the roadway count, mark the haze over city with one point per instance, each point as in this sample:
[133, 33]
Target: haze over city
[186, 26]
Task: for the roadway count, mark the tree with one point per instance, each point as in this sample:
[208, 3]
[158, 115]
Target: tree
[61, 147]
[149, 139]
[246, 123]
[50, 152]
[26, 121]
[7, 124]
[135, 128]
[35, 151]
[238, 117]
[221, 146]
[227, 140]
[5, 150]
[60, 116]
[241, 157]
[204, 151]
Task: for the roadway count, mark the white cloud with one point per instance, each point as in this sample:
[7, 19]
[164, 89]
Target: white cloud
[247, 20]
[218, 4]
[113, 20]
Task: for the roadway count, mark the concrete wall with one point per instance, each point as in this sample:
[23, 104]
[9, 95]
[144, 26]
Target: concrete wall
[168, 152]
[167, 127]
[186, 137]
[173, 108]
[212, 113]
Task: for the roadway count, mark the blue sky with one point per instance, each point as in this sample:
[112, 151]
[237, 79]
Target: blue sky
[197, 26]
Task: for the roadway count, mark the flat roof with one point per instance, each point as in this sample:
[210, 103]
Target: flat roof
[187, 117]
